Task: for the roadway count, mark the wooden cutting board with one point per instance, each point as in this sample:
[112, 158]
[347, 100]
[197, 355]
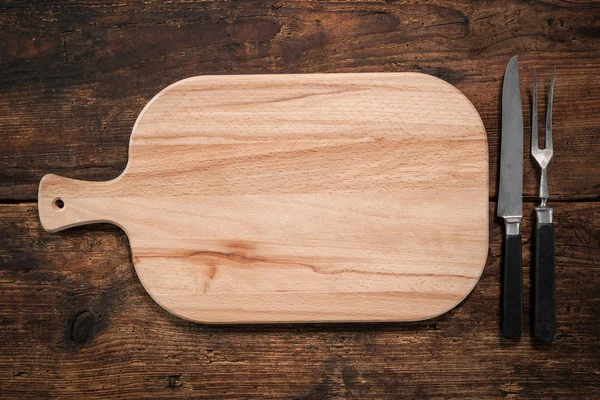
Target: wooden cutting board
[288, 198]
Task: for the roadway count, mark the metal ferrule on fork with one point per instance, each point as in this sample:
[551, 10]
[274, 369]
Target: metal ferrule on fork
[544, 214]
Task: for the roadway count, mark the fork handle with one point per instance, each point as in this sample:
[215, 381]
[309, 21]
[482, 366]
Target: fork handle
[545, 282]
[512, 297]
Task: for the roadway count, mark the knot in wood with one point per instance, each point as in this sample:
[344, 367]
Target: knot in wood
[83, 325]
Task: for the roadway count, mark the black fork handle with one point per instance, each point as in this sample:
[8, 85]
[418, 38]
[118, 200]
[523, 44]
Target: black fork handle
[545, 283]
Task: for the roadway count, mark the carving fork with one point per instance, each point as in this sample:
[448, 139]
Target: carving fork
[545, 256]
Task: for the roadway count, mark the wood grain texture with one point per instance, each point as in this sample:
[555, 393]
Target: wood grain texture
[75, 321]
[75, 76]
[289, 198]
[132, 348]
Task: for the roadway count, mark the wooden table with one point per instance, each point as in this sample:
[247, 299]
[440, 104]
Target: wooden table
[74, 318]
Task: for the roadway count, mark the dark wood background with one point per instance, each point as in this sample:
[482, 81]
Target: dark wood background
[75, 320]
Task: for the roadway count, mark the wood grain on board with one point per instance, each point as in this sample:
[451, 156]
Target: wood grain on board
[298, 198]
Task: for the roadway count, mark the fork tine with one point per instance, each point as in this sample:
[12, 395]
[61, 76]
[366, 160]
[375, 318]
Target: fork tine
[549, 114]
[534, 117]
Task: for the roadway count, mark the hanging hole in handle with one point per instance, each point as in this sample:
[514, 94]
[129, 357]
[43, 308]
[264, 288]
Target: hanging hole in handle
[58, 204]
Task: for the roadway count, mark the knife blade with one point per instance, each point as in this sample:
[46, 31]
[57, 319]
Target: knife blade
[510, 202]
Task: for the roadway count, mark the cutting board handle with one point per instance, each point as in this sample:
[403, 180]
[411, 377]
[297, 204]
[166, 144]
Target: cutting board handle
[64, 202]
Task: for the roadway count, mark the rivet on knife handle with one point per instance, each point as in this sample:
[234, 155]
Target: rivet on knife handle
[510, 201]
[544, 320]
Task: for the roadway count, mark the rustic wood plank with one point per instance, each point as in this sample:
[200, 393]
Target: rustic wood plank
[76, 322]
[75, 76]
[74, 319]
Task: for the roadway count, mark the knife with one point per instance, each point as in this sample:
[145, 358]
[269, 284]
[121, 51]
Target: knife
[510, 203]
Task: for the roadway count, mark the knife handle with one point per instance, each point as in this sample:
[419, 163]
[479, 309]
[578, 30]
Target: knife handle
[544, 283]
[512, 298]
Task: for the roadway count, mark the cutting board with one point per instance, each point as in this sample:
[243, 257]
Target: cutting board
[297, 198]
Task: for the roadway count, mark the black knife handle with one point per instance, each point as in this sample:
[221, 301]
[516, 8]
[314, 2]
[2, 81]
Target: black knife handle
[544, 283]
[512, 298]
